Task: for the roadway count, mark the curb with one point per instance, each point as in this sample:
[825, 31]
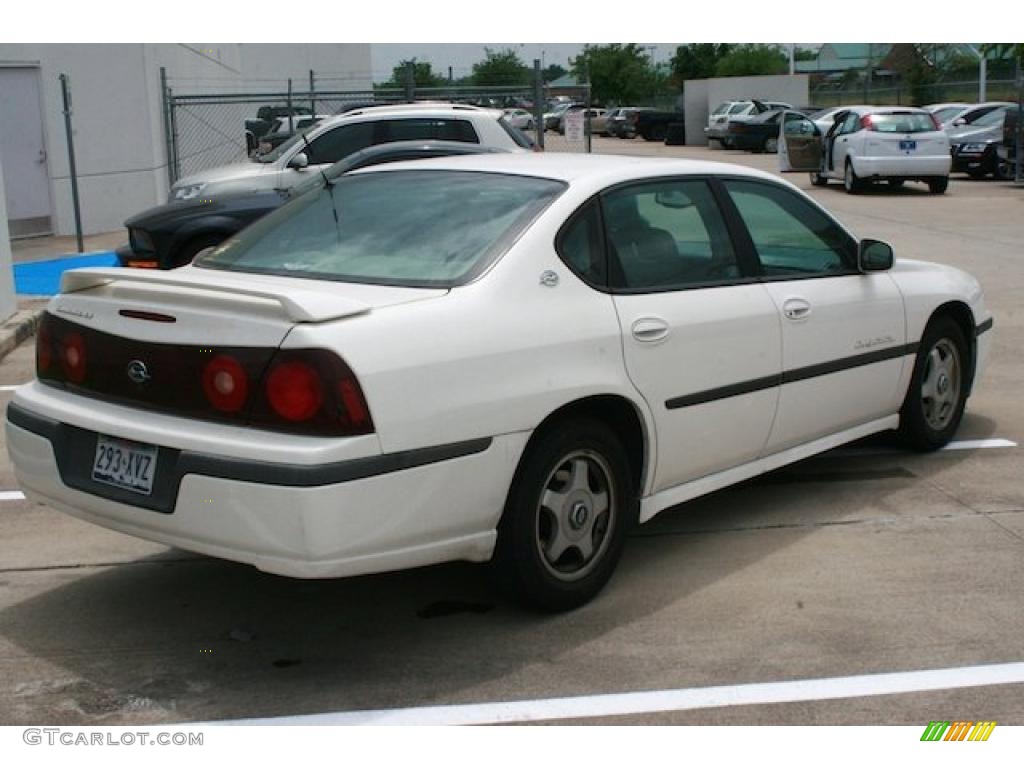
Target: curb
[19, 327]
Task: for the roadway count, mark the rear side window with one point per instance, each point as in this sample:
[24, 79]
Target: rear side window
[903, 122]
[581, 245]
[792, 237]
[415, 129]
[664, 235]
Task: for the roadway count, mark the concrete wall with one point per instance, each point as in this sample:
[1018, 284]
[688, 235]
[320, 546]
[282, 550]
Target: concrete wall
[7, 301]
[707, 94]
[118, 112]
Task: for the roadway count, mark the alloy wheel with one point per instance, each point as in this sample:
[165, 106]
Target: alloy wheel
[940, 385]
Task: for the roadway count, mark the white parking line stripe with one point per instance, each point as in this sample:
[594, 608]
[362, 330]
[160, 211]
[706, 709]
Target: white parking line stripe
[608, 705]
[970, 445]
[11, 495]
[9, 387]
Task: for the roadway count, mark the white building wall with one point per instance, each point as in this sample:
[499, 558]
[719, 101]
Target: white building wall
[7, 301]
[120, 149]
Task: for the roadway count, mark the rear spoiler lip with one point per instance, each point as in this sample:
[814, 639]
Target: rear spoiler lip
[297, 305]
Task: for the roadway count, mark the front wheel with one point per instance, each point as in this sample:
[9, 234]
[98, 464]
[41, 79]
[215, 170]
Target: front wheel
[935, 401]
[819, 180]
[938, 185]
[564, 527]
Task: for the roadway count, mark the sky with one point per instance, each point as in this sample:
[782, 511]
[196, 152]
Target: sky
[462, 56]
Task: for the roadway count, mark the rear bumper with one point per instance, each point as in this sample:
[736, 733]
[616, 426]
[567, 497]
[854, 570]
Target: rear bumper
[902, 167]
[283, 519]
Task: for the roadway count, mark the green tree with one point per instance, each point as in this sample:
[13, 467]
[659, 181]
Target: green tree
[502, 67]
[753, 59]
[619, 74]
[553, 72]
[804, 54]
[422, 72]
[697, 61]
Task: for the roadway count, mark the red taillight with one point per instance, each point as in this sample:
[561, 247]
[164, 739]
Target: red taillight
[72, 357]
[866, 123]
[294, 391]
[225, 384]
[354, 404]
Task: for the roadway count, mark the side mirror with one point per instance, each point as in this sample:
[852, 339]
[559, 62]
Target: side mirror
[874, 256]
[298, 161]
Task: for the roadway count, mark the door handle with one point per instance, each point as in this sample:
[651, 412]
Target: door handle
[42, 155]
[649, 329]
[796, 309]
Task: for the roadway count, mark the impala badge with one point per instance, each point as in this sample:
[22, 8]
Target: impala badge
[138, 372]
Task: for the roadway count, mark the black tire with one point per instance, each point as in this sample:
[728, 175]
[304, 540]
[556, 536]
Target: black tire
[929, 422]
[1004, 170]
[529, 530]
[938, 185]
[851, 182]
[192, 248]
[818, 179]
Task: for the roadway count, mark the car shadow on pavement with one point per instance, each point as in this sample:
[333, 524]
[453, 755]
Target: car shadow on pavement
[194, 638]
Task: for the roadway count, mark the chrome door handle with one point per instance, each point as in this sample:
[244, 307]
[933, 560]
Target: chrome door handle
[796, 309]
[650, 329]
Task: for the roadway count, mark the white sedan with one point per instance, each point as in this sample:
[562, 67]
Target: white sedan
[519, 118]
[511, 358]
[869, 144]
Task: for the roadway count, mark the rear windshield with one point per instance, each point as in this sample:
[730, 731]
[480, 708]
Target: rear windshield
[947, 113]
[903, 122]
[412, 228]
[739, 107]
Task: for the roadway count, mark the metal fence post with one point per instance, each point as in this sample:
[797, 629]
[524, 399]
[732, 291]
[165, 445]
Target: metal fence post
[175, 170]
[538, 102]
[65, 89]
[291, 119]
[1018, 140]
[168, 135]
[410, 80]
[312, 94]
[586, 114]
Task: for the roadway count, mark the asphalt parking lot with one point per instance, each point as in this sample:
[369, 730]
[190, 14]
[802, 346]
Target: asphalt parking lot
[864, 560]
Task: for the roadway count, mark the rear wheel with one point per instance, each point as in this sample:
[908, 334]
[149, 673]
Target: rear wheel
[771, 144]
[566, 517]
[935, 401]
[818, 179]
[938, 185]
[851, 182]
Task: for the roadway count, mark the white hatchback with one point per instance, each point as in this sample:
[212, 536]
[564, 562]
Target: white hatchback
[510, 357]
[869, 144]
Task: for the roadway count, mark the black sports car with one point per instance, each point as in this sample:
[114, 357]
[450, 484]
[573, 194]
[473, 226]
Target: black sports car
[760, 133]
[173, 234]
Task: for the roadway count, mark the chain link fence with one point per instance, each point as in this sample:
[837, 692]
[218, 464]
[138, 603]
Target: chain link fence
[207, 130]
[901, 93]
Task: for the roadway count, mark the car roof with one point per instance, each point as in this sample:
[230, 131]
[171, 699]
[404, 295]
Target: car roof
[578, 167]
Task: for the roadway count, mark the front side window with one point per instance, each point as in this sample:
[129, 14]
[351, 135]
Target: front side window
[666, 234]
[332, 146]
[412, 228]
[792, 237]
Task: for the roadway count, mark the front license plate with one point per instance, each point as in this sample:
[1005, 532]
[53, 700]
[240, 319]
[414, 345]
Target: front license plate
[124, 464]
[907, 145]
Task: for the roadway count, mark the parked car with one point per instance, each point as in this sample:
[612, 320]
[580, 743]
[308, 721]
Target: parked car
[553, 117]
[257, 127]
[594, 113]
[172, 235]
[760, 134]
[1006, 164]
[974, 145]
[824, 118]
[441, 361]
[946, 113]
[974, 113]
[327, 142]
[623, 124]
[280, 131]
[736, 111]
[867, 145]
[652, 125]
[519, 118]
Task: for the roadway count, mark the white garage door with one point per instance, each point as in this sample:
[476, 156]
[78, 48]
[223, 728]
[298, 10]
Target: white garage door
[23, 152]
